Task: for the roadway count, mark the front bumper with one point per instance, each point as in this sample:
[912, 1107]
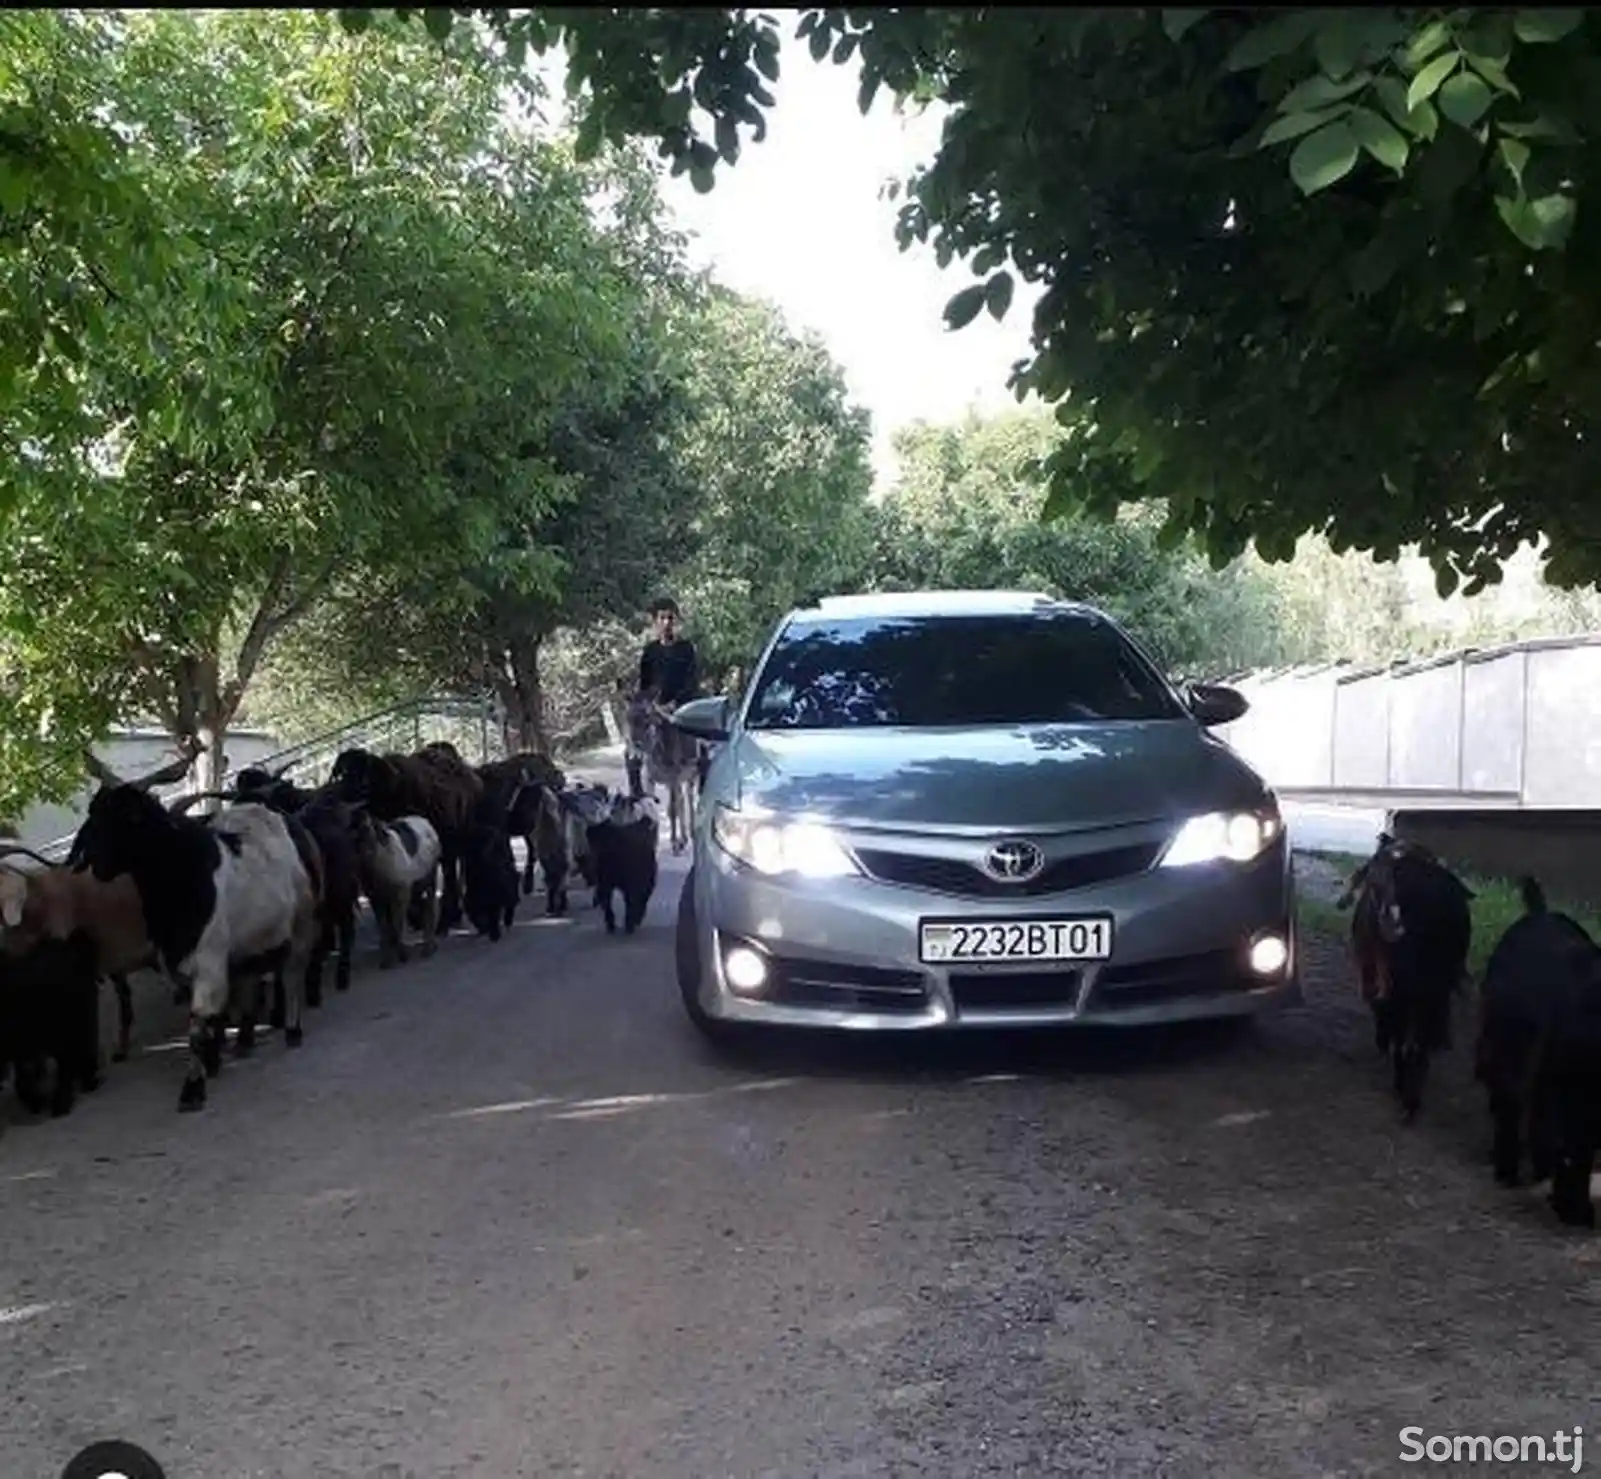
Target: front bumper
[843, 953]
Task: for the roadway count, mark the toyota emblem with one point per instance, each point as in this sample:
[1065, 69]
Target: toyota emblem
[1014, 862]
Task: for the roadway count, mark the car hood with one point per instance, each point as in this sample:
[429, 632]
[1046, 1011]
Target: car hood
[1042, 778]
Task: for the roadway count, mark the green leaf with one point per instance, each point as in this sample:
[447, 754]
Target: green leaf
[1424, 45]
[1534, 26]
[1514, 154]
[1337, 43]
[998, 295]
[1542, 225]
[1427, 82]
[437, 22]
[1177, 22]
[1297, 124]
[867, 91]
[1277, 37]
[1323, 158]
[1379, 137]
[1464, 99]
[1494, 73]
[355, 21]
[702, 178]
[817, 43]
[728, 139]
[1445, 581]
[767, 63]
[966, 306]
[1318, 92]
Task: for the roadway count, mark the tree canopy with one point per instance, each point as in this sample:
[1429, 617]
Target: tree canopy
[1311, 269]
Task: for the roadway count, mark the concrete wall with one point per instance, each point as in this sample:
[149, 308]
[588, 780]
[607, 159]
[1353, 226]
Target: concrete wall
[1519, 725]
[134, 753]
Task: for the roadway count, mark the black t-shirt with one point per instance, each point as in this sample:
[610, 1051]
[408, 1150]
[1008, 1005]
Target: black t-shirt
[672, 669]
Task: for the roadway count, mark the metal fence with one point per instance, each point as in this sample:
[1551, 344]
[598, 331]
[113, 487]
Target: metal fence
[1518, 725]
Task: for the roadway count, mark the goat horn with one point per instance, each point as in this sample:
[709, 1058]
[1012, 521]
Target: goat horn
[8, 849]
[283, 770]
[183, 803]
[175, 771]
[101, 771]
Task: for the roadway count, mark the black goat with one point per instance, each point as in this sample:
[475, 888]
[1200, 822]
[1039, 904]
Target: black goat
[490, 886]
[50, 1013]
[1539, 1053]
[622, 850]
[1411, 932]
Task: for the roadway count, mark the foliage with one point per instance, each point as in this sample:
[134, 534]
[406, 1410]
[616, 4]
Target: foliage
[1304, 269]
[964, 515]
[388, 295]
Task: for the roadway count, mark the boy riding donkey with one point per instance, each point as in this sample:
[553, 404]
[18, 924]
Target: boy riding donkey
[669, 675]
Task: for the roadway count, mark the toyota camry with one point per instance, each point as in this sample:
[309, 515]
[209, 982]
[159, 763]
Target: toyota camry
[976, 809]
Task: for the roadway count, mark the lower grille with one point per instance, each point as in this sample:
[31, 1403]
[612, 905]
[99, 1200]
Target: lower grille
[974, 991]
[799, 981]
[1152, 982]
[967, 880]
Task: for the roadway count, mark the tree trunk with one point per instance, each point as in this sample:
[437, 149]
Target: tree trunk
[520, 692]
[206, 708]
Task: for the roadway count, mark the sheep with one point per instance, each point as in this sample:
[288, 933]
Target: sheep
[1538, 1053]
[434, 784]
[52, 903]
[232, 895]
[623, 848]
[330, 822]
[1410, 930]
[394, 859]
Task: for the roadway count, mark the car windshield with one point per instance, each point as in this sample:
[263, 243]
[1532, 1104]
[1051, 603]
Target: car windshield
[1048, 668]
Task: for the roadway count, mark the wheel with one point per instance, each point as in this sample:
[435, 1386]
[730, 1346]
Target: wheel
[686, 959]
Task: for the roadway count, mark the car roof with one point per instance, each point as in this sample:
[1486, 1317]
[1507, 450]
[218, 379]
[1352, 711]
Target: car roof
[939, 603]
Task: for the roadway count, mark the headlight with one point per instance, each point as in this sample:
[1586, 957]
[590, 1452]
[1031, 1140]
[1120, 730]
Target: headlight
[1224, 836]
[773, 846]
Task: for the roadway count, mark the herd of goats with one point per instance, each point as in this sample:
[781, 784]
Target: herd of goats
[1538, 1046]
[265, 888]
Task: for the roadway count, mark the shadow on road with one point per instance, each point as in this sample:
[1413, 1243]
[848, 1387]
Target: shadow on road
[1066, 1052]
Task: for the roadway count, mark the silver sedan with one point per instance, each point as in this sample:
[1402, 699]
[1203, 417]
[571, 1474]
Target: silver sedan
[976, 809]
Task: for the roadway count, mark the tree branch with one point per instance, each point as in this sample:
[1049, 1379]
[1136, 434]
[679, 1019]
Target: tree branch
[267, 623]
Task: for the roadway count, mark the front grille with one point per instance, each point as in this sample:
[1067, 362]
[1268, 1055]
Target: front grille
[1153, 982]
[976, 991]
[799, 981]
[967, 880]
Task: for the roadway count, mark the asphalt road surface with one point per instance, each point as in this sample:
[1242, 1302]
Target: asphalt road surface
[504, 1216]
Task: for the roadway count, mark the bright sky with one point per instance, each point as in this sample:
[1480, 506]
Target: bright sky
[798, 220]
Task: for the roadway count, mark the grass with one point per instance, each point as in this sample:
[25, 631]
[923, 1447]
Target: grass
[1496, 904]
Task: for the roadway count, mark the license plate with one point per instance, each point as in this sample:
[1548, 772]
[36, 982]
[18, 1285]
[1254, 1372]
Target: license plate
[946, 942]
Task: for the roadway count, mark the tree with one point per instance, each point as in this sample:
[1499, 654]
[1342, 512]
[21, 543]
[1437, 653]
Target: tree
[965, 514]
[1304, 269]
[778, 458]
[360, 376]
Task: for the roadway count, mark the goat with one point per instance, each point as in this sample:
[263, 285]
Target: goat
[491, 883]
[1538, 1053]
[581, 808]
[434, 784]
[1410, 931]
[623, 849]
[394, 859]
[49, 1012]
[330, 822]
[503, 778]
[234, 894]
[52, 903]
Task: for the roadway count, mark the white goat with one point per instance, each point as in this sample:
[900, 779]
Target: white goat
[395, 858]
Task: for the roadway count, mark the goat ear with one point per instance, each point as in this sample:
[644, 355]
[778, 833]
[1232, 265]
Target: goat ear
[13, 895]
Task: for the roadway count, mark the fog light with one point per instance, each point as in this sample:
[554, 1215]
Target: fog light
[1269, 955]
[744, 969]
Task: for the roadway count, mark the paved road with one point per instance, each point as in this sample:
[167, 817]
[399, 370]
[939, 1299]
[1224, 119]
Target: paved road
[503, 1216]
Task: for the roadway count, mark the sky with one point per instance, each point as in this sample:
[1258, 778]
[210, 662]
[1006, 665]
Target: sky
[798, 220]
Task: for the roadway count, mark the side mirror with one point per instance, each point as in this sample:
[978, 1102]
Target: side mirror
[1215, 703]
[703, 719]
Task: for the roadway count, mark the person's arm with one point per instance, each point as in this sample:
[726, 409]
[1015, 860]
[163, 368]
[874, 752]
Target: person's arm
[645, 666]
[691, 685]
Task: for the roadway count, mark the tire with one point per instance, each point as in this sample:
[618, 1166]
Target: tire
[686, 960]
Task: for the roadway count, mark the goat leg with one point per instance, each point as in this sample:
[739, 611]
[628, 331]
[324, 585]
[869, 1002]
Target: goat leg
[192, 1095]
[119, 984]
[347, 943]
